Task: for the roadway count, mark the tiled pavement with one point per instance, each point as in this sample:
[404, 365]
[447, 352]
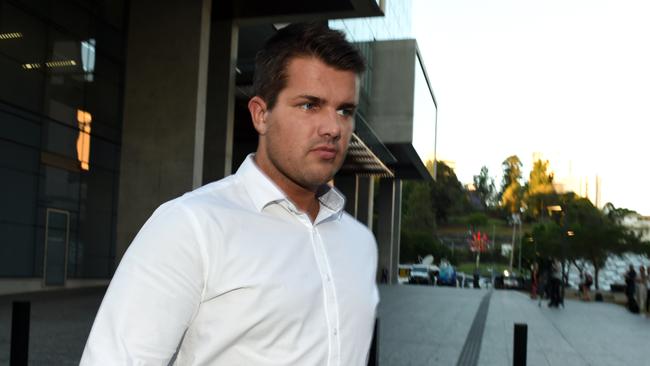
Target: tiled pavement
[60, 324]
[419, 326]
[428, 326]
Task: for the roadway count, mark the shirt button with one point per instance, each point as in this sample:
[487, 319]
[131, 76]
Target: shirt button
[336, 332]
[327, 278]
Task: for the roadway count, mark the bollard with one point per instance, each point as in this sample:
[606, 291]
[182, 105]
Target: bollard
[373, 355]
[521, 340]
[18, 353]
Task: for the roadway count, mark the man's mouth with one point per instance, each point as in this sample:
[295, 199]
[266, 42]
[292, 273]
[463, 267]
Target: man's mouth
[325, 152]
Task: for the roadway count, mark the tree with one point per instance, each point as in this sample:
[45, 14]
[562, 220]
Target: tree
[539, 191]
[447, 194]
[592, 235]
[582, 231]
[414, 245]
[418, 214]
[485, 188]
[511, 192]
[425, 204]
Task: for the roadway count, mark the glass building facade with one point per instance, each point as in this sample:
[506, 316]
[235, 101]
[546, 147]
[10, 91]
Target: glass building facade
[61, 91]
[62, 87]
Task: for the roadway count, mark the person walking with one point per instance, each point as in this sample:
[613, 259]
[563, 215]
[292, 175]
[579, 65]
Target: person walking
[263, 267]
[586, 280]
[534, 280]
[556, 281]
[630, 287]
[642, 289]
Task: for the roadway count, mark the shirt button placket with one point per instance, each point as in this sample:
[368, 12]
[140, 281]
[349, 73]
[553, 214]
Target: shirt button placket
[332, 313]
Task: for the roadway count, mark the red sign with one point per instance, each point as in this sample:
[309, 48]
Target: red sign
[478, 242]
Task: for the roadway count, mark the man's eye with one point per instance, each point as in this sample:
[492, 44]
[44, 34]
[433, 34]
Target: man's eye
[346, 112]
[307, 106]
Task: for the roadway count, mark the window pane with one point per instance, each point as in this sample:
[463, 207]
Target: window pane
[15, 127]
[71, 17]
[18, 191]
[17, 250]
[30, 47]
[59, 188]
[26, 85]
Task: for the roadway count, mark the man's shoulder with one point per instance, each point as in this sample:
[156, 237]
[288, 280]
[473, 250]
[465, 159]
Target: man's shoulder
[225, 193]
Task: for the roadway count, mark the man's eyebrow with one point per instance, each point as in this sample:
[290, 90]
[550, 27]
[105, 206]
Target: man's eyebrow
[347, 106]
[311, 98]
[318, 100]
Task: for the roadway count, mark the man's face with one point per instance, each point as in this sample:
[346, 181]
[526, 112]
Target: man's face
[304, 138]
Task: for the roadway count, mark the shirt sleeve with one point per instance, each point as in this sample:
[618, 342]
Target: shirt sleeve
[153, 296]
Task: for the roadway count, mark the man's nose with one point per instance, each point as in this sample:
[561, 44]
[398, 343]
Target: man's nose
[330, 124]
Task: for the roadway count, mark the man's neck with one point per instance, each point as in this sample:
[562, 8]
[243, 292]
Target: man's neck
[307, 203]
[305, 199]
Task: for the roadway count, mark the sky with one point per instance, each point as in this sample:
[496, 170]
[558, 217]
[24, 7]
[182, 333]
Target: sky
[567, 79]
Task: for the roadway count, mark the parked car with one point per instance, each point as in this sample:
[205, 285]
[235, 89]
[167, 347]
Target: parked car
[447, 275]
[420, 275]
[509, 281]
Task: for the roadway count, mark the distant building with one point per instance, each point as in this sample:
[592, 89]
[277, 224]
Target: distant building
[640, 224]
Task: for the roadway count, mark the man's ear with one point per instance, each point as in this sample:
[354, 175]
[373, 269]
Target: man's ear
[257, 108]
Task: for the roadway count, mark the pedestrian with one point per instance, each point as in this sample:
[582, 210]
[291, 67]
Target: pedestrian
[263, 267]
[585, 285]
[543, 289]
[543, 286]
[641, 288]
[556, 281]
[630, 287]
[534, 280]
[647, 298]
[384, 275]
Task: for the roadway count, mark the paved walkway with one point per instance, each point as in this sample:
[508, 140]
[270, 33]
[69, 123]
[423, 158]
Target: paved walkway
[583, 333]
[60, 324]
[419, 326]
[429, 325]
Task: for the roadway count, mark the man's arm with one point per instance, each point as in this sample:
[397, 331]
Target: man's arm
[153, 296]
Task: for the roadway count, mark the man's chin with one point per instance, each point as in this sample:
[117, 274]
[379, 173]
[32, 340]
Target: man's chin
[315, 181]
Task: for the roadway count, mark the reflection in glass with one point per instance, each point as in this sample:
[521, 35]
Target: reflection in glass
[12, 35]
[84, 119]
[88, 58]
[424, 116]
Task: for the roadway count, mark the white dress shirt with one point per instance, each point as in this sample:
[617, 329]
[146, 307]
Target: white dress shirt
[233, 274]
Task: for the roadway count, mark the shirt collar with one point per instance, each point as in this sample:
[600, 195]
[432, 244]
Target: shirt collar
[263, 191]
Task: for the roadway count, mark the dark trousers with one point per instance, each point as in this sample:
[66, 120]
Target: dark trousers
[555, 292]
[631, 301]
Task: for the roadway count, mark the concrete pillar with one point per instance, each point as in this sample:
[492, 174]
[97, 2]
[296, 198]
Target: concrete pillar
[397, 229]
[365, 200]
[347, 184]
[220, 111]
[164, 108]
[388, 227]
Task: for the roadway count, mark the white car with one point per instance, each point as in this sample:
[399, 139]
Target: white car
[420, 275]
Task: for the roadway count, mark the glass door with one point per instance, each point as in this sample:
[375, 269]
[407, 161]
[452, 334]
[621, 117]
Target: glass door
[57, 233]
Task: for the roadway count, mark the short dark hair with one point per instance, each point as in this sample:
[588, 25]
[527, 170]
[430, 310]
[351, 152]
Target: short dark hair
[297, 40]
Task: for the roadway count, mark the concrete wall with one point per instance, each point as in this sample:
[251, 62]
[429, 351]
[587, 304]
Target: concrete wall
[392, 94]
[164, 108]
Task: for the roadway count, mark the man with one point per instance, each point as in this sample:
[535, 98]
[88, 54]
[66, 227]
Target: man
[262, 267]
[630, 289]
[556, 283]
